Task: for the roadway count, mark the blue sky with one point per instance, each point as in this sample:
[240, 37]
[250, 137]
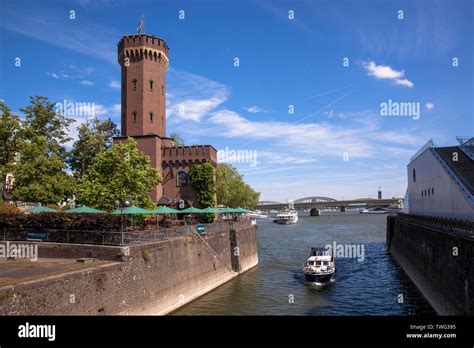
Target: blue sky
[335, 144]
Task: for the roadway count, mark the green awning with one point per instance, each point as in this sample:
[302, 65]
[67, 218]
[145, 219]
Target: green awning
[241, 210]
[133, 210]
[209, 210]
[226, 210]
[83, 209]
[164, 210]
[190, 210]
[41, 209]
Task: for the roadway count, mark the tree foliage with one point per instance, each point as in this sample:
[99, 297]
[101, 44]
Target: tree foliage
[9, 133]
[119, 173]
[40, 174]
[42, 121]
[202, 178]
[177, 139]
[231, 190]
[39, 170]
[94, 137]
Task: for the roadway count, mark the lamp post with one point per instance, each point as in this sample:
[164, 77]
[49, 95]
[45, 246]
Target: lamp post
[121, 206]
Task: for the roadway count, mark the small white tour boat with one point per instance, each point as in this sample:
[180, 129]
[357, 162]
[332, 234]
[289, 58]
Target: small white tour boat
[320, 266]
[377, 210]
[288, 216]
[257, 214]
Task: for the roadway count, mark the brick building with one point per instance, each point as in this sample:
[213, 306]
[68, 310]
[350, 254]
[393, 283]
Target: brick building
[144, 59]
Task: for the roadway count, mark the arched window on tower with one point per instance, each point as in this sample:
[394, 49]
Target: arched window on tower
[182, 179]
[151, 84]
[162, 90]
[134, 82]
[151, 117]
[134, 116]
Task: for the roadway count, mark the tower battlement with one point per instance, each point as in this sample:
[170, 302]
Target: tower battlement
[142, 46]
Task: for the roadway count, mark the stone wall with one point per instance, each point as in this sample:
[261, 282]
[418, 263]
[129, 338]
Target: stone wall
[441, 264]
[152, 278]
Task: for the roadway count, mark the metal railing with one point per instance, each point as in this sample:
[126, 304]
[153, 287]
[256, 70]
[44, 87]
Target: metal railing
[459, 227]
[114, 237]
[430, 144]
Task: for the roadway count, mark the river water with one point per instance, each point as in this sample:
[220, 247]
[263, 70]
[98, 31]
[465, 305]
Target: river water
[375, 285]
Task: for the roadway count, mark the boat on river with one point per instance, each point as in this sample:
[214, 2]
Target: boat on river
[320, 266]
[288, 216]
[376, 210]
[257, 214]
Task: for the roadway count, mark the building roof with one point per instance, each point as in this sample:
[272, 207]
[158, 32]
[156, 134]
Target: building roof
[463, 167]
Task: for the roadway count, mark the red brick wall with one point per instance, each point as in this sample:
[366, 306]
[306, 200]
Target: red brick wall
[181, 159]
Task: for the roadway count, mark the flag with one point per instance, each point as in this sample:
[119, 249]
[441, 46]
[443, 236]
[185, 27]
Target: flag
[141, 25]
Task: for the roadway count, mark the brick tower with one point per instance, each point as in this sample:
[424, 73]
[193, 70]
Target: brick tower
[144, 59]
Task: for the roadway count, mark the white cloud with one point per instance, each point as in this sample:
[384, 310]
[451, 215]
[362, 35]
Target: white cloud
[382, 71]
[114, 84]
[53, 75]
[397, 137]
[282, 158]
[429, 106]
[390, 166]
[361, 134]
[87, 83]
[404, 82]
[193, 96]
[386, 72]
[253, 109]
[107, 111]
[90, 38]
[329, 140]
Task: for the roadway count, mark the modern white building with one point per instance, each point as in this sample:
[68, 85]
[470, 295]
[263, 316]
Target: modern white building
[441, 180]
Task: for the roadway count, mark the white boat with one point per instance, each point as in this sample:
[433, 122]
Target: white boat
[257, 214]
[377, 210]
[288, 216]
[320, 266]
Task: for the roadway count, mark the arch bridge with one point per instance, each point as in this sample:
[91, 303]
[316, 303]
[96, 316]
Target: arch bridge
[318, 202]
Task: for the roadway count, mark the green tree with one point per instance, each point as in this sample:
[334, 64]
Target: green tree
[42, 120]
[39, 170]
[9, 137]
[231, 190]
[202, 177]
[94, 137]
[177, 139]
[119, 173]
[40, 174]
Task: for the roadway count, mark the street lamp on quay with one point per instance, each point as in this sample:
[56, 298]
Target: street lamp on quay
[121, 205]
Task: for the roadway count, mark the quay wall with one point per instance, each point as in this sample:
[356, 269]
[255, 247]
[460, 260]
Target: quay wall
[152, 278]
[440, 262]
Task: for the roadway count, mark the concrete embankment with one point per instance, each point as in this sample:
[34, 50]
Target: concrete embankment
[149, 278]
[437, 254]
